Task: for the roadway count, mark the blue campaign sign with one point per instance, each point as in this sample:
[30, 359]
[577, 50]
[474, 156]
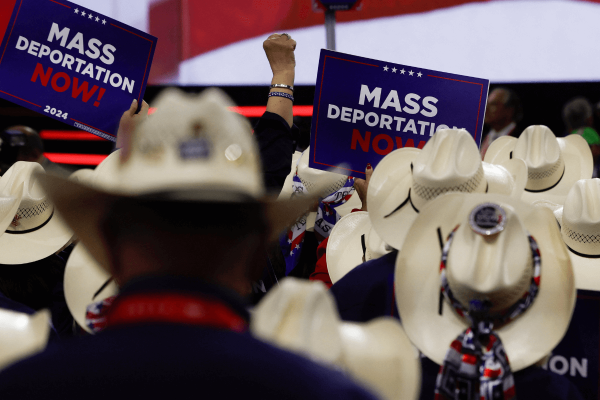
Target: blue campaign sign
[73, 64]
[365, 108]
[577, 356]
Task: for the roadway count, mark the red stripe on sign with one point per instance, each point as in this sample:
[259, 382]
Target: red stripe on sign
[68, 135]
[76, 159]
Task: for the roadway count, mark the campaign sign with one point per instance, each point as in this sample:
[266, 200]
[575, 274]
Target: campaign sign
[73, 64]
[365, 108]
[577, 356]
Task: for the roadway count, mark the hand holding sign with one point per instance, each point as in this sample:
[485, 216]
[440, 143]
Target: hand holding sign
[129, 121]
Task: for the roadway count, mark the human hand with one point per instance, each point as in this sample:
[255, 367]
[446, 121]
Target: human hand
[129, 121]
[362, 186]
[279, 49]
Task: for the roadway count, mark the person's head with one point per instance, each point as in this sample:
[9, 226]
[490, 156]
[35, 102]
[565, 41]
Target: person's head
[216, 242]
[19, 143]
[577, 113]
[503, 107]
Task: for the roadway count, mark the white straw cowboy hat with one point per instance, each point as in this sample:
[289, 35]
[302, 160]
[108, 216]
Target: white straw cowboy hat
[36, 230]
[408, 178]
[22, 335]
[486, 262]
[554, 164]
[579, 221]
[85, 282]
[301, 316]
[352, 242]
[311, 178]
[192, 149]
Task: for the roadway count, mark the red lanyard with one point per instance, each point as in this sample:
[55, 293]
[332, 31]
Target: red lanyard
[174, 308]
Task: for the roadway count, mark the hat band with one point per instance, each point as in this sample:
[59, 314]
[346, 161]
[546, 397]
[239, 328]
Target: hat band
[426, 193]
[580, 241]
[32, 229]
[536, 179]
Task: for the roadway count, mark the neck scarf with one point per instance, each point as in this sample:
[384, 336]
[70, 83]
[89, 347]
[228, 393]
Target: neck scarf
[476, 365]
[327, 216]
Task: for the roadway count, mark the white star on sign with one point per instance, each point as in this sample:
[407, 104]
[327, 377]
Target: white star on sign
[410, 73]
[77, 11]
[385, 68]
[103, 22]
[419, 74]
[90, 16]
[289, 240]
[97, 19]
[297, 246]
[402, 71]
[394, 70]
[83, 13]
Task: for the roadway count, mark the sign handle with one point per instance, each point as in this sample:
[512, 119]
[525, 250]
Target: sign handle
[330, 29]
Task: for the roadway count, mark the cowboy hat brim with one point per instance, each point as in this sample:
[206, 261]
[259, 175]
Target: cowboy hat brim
[576, 155]
[85, 282]
[528, 338]
[344, 248]
[23, 248]
[84, 209]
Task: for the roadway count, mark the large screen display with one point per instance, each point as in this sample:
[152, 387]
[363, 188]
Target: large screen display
[220, 42]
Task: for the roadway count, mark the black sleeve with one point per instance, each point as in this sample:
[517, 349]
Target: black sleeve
[277, 142]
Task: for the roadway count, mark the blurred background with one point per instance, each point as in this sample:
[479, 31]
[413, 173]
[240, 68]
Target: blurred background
[547, 51]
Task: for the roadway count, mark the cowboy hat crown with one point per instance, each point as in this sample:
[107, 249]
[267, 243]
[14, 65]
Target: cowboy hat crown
[580, 225]
[496, 269]
[191, 142]
[538, 147]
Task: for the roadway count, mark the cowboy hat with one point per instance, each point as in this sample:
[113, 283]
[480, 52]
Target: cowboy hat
[301, 316]
[36, 230]
[579, 221]
[192, 149]
[22, 335]
[85, 282]
[352, 242]
[491, 260]
[554, 164]
[408, 178]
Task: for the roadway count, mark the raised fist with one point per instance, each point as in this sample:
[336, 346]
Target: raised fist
[280, 52]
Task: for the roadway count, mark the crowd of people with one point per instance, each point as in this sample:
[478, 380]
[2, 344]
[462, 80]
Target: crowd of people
[203, 260]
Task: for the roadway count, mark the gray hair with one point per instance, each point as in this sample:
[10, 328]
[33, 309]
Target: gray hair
[576, 113]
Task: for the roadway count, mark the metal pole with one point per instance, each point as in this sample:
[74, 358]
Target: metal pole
[330, 29]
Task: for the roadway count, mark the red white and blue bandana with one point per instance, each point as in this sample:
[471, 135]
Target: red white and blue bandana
[95, 316]
[291, 242]
[476, 365]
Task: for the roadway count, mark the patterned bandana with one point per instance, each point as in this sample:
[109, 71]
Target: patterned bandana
[476, 365]
[327, 216]
[95, 316]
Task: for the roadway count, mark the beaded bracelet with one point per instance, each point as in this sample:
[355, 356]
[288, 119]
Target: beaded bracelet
[281, 94]
[282, 86]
